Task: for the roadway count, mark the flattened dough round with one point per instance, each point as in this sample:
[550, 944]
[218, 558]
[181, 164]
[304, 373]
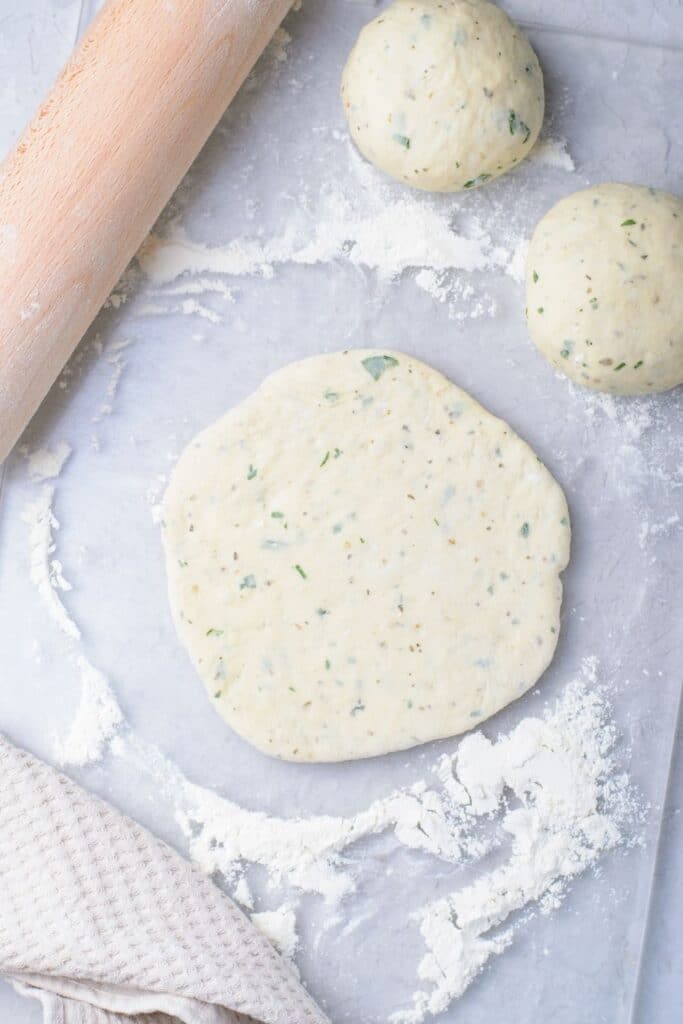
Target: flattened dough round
[361, 558]
[605, 288]
[443, 94]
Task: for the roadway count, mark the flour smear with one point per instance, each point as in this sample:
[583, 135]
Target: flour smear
[98, 714]
[444, 242]
[553, 788]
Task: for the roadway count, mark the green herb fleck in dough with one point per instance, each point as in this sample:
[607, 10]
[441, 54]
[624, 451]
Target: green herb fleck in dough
[357, 707]
[627, 223]
[566, 350]
[182, 564]
[251, 473]
[619, 366]
[402, 140]
[325, 460]
[337, 452]
[535, 277]
[515, 124]
[301, 572]
[479, 180]
[217, 694]
[291, 689]
[638, 365]
[328, 664]
[376, 365]
[540, 309]
[331, 396]
[248, 583]
[214, 632]
[564, 521]
[524, 530]
[277, 515]
[322, 611]
[594, 303]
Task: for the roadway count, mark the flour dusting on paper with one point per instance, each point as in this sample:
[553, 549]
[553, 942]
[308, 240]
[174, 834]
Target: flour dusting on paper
[46, 463]
[279, 926]
[371, 224]
[401, 235]
[553, 152]
[574, 805]
[97, 717]
[98, 714]
[45, 571]
[549, 797]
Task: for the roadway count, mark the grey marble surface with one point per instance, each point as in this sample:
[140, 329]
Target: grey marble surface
[614, 71]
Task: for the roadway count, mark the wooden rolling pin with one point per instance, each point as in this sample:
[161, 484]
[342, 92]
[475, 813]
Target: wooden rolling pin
[92, 172]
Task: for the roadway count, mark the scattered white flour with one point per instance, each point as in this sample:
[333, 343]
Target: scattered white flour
[552, 787]
[517, 265]
[188, 307]
[98, 714]
[243, 894]
[113, 355]
[46, 463]
[95, 722]
[648, 530]
[279, 926]
[553, 153]
[154, 494]
[200, 286]
[399, 235]
[305, 853]
[46, 572]
[372, 224]
[573, 806]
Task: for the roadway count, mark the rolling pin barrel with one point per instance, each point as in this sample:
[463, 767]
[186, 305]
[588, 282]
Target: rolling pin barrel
[92, 172]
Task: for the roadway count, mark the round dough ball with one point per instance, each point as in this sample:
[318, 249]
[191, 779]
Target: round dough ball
[605, 288]
[361, 558]
[443, 94]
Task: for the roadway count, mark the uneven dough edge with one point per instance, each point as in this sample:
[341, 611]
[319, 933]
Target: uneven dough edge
[271, 385]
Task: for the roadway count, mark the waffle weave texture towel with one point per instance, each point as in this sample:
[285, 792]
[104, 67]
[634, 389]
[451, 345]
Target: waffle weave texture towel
[107, 925]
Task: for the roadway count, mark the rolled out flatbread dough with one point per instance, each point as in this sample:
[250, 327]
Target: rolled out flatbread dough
[361, 558]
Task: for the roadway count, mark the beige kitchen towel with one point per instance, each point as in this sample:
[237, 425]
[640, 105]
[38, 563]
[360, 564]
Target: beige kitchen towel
[106, 924]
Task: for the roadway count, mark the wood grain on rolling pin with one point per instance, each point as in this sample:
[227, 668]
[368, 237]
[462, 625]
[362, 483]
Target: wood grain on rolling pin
[96, 166]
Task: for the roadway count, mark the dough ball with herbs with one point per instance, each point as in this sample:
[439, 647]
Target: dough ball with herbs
[443, 95]
[605, 288]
